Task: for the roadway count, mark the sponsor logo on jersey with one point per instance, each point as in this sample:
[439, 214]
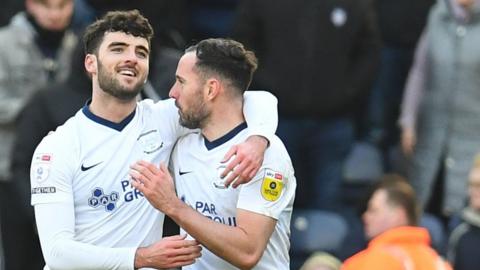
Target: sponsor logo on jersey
[41, 167]
[209, 210]
[150, 141]
[42, 157]
[272, 185]
[100, 198]
[86, 168]
[40, 171]
[130, 193]
[180, 172]
[44, 190]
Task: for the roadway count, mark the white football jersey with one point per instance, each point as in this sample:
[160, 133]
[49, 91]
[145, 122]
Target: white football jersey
[86, 162]
[196, 168]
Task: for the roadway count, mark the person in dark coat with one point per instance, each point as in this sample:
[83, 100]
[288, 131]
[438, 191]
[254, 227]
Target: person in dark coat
[319, 58]
[465, 238]
[399, 34]
[48, 108]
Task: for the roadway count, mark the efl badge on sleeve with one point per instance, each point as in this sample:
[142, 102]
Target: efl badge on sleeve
[41, 167]
[272, 185]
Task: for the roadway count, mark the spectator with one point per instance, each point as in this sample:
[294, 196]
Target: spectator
[465, 238]
[440, 115]
[391, 225]
[321, 261]
[47, 109]
[36, 50]
[319, 58]
[399, 34]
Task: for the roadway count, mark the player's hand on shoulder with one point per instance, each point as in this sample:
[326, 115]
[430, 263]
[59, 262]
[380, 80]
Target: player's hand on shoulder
[244, 161]
[169, 252]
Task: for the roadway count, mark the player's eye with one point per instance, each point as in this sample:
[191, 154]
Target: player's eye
[142, 54]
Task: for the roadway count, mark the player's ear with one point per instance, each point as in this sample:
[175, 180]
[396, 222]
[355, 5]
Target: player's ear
[91, 63]
[213, 88]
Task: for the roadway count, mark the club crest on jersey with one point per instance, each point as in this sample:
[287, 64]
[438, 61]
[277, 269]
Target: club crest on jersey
[219, 182]
[99, 198]
[150, 141]
[272, 185]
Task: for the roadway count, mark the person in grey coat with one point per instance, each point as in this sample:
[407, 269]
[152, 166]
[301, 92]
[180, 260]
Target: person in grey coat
[36, 48]
[440, 117]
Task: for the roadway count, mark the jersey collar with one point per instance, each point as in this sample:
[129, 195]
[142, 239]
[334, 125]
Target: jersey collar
[212, 144]
[117, 126]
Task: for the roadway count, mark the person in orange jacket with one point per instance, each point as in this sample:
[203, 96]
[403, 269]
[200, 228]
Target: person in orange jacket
[391, 223]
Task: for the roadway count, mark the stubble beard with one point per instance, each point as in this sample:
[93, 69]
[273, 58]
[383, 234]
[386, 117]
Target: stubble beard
[196, 116]
[109, 84]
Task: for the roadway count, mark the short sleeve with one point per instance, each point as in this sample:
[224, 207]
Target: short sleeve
[270, 193]
[51, 173]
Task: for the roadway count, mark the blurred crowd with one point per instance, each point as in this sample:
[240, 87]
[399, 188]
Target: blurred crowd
[371, 92]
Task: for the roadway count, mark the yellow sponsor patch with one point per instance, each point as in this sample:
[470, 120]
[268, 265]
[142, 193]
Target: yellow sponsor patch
[272, 185]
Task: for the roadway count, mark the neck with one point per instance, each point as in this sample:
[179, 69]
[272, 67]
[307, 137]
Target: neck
[110, 108]
[224, 117]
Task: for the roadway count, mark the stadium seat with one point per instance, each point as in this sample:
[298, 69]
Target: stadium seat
[315, 230]
[363, 164]
[436, 230]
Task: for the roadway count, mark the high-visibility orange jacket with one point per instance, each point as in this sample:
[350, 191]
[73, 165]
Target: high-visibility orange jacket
[402, 248]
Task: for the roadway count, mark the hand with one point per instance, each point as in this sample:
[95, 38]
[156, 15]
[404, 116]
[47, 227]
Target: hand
[248, 160]
[170, 252]
[409, 139]
[155, 183]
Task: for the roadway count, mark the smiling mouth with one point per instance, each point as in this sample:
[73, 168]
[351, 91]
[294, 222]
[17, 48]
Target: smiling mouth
[129, 72]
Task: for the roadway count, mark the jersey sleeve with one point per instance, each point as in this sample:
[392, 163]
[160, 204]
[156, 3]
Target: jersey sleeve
[51, 172]
[261, 114]
[270, 193]
[56, 229]
[53, 168]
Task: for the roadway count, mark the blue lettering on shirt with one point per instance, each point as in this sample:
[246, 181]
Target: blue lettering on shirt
[208, 210]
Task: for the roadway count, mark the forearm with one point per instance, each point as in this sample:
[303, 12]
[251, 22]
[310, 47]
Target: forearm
[61, 251]
[68, 254]
[242, 250]
[414, 86]
[261, 114]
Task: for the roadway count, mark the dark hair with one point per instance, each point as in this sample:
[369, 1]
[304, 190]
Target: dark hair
[227, 58]
[400, 193]
[129, 22]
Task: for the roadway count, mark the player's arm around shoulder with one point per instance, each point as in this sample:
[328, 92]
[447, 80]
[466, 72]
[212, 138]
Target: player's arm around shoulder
[244, 160]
